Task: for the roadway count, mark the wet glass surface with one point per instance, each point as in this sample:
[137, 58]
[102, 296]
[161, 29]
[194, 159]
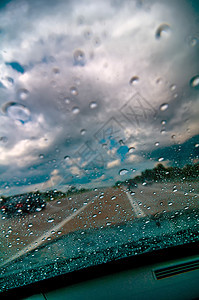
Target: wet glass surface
[99, 138]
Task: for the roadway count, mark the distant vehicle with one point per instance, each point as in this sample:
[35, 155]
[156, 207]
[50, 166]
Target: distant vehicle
[20, 204]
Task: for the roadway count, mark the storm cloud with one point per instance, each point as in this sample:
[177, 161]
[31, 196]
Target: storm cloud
[88, 89]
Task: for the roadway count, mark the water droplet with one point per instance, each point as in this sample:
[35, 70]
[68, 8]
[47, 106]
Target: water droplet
[131, 149]
[196, 145]
[170, 203]
[50, 220]
[161, 159]
[93, 105]
[23, 94]
[10, 81]
[192, 41]
[88, 34]
[3, 139]
[30, 225]
[79, 57]
[194, 82]
[67, 100]
[163, 131]
[113, 197]
[164, 106]
[163, 30]
[41, 156]
[38, 209]
[83, 131]
[173, 87]
[163, 122]
[134, 80]
[157, 144]
[159, 81]
[94, 216]
[17, 112]
[75, 110]
[66, 158]
[74, 91]
[123, 172]
[56, 71]
[173, 136]
[96, 42]
[175, 95]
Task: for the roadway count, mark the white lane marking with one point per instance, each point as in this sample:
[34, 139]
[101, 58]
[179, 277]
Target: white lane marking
[47, 234]
[136, 208]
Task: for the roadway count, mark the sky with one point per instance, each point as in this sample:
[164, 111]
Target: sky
[92, 92]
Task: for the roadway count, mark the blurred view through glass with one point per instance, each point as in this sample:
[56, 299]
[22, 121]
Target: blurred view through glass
[99, 138]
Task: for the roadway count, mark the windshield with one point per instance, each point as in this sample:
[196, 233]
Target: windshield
[99, 137]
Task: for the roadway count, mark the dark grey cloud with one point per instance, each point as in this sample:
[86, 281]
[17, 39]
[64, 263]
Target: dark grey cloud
[78, 62]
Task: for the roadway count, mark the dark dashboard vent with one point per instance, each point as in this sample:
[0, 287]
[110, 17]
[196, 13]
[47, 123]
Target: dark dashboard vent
[176, 269]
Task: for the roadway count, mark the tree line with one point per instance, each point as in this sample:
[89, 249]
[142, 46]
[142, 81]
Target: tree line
[160, 173]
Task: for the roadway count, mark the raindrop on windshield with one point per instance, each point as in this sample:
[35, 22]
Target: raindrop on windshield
[131, 149]
[79, 57]
[17, 112]
[74, 91]
[194, 82]
[66, 158]
[75, 110]
[164, 106]
[123, 172]
[56, 71]
[23, 94]
[161, 159]
[93, 105]
[10, 80]
[134, 80]
[50, 220]
[163, 30]
[67, 100]
[83, 131]
[173, 87]
[3, 139]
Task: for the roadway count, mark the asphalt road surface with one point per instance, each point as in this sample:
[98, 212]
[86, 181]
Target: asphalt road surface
[93, 209]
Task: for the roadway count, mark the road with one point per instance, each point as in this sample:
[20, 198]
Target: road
[93, 209]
